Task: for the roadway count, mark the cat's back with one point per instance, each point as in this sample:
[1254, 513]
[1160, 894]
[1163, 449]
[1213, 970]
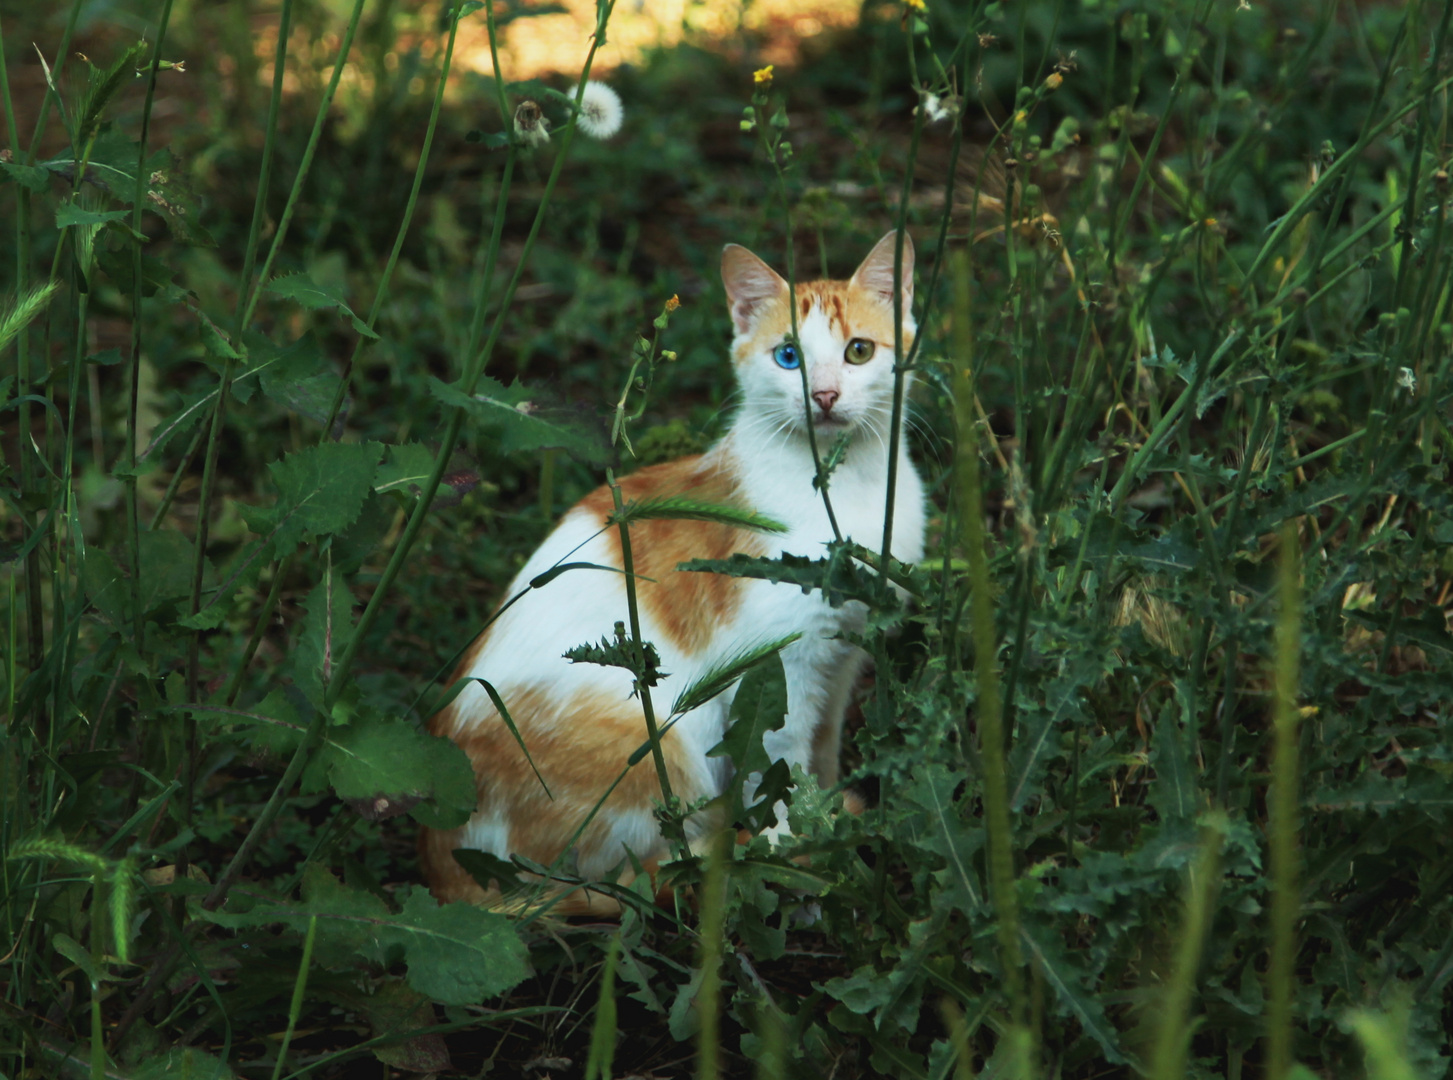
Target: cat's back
[682, 613]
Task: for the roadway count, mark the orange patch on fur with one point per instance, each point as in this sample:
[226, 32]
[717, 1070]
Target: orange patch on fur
[690, 607]
[580, 746]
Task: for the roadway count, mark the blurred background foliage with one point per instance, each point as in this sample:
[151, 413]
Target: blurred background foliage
[1096, 291]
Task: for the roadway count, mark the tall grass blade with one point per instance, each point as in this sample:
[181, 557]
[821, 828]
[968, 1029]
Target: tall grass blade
[603, 1031]
[1173, 1035]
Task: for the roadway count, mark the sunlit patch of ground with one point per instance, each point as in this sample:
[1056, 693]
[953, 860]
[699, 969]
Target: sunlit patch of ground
[545, 44]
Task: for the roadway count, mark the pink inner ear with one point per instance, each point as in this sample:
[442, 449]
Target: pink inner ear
[876, 271]
[749, 284]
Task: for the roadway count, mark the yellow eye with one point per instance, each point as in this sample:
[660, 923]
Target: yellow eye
[859, 351]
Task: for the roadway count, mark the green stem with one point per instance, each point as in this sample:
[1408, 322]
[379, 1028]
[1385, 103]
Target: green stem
[133, 515]
[1285, 898]
[628, 564]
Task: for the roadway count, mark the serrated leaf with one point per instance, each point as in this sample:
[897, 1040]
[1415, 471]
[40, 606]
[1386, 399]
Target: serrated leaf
[321, 489]
[932, 790]
[457, 954]
[838, 577]
[722, 676]
[681, 508]
[301, 288]
[620, 653]
[525, 421]
[31, 177]
[1067, 981]
[760, 706]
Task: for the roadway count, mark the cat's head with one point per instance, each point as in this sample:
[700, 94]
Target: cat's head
[845, 330]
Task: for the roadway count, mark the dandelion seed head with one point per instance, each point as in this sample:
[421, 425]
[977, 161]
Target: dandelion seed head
[1407, 380]
[601, 112]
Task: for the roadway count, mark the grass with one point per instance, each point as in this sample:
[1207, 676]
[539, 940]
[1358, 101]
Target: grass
[1156, 754]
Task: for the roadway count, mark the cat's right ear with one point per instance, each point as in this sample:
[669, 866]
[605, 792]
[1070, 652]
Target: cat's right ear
[750, 283]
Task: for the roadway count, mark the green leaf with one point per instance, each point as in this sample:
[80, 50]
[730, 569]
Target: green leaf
[760, 706]
[393, 766]
[166, 568]
[404, 469]
[729, 671]
[1068, 981]
[68, 214]
[322, 489]
[839, 577]
[945, 833]
[525, 421]
[1173, 791]
[327, 629]
[301, 288]
[457, 954]
[31, 177]
[620, 653]
[73, 951]
[182, 1063]
[680, 508]
[214, 339]
[490, 871]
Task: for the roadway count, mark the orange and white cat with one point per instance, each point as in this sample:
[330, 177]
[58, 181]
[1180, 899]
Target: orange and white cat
[580, 721]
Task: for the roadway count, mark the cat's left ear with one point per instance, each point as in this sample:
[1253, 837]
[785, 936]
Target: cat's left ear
[876, 272]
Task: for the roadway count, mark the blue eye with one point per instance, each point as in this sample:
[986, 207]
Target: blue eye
[786, 356]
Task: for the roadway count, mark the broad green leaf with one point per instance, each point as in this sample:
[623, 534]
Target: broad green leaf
[524, 420]
[946, 834]
[457, 954]
[1068, 981]
[321, 489]
[405, 469]
[68, 214]
[396, 761]
[302, 289]
[298, 377]
[31, 177]
[166, 568]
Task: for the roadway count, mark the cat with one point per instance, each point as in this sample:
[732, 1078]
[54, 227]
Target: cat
[580, 721]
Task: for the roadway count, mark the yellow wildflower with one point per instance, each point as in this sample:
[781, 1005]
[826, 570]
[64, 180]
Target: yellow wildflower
[762, 75]
[673, 303]
[1054, 80]
[915, 5]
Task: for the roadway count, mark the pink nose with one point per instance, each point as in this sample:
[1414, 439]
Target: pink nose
[825, 399]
